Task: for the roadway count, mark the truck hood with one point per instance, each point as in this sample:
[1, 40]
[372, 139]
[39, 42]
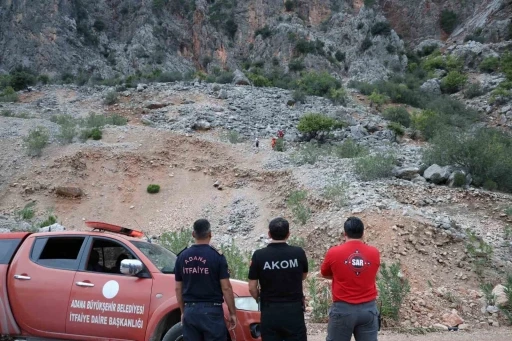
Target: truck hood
[240, 288]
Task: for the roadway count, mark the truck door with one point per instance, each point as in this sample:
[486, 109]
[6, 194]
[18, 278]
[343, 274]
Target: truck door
[40, 279]
[9, 243]
[104, 302]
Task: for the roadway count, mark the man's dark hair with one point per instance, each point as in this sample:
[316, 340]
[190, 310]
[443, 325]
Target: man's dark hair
[201, 228]
[279, 228]
[354, 228]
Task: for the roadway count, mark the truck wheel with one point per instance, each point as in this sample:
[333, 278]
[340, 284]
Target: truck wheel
[175, 333]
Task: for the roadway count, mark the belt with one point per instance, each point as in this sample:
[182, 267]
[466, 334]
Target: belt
[203, 304]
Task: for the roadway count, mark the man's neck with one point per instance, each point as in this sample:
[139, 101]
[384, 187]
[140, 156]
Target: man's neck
[352, 240]
[202, 242]
[273, 241]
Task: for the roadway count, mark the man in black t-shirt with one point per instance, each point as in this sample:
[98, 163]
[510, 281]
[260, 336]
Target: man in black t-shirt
[202, 284]
[280, 269]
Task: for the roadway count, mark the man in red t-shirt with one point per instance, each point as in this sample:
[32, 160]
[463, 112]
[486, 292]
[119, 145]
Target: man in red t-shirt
[353, 268]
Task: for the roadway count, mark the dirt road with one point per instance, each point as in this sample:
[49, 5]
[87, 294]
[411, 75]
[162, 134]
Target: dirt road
[498, 334]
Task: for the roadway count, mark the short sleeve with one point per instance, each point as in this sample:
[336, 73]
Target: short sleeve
[177, 270]
[304, 261]
[253, 268]
[223, 273]
[325, 269]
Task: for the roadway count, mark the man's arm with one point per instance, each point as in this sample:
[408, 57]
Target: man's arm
[325, 268]
[253, 288]
[227, 291]
[305, 265]
[179, 296]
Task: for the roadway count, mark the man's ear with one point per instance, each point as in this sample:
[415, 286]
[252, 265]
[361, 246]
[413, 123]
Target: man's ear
[287, 236]
[268, 233]
[194, 234]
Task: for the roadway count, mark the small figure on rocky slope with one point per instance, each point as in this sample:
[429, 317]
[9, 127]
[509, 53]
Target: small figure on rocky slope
[257, 143]
[353, 268]
[273, 143]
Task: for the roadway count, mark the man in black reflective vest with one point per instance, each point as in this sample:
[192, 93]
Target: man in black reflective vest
[280, 270]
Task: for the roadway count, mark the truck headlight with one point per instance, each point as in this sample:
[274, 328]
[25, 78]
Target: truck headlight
[246, 303]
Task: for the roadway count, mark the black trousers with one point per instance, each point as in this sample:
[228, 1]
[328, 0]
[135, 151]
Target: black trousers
[282, 321]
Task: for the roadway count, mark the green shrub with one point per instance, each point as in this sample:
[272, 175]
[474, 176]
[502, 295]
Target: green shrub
[453, 82]
[224, 77]
[393, 289]
[399, 115]
[265, 32]
[448, 21]
[372, 167]
[490, 64]
[366, 44]
[259, 80]
[506, 309]
[231, 27]
[177, 240]
[382, 28]
[506, 65]
[96, 134]
[8, 95]
[280, 145]
[369, 3]
[349, 149]
[36, 140]
[378, 99]
[27, 212]
[111, 98]
[336, 192]
[314, 125]
[397, 129]
[44, 79]
[296, 64]
[67, 133]
[232, 136]
[289, 5]
[299, 96]
[473, 90]
[485, 153]
[153, 188]
[308, 153]
[317, 83]
[320, 300]
[50, 220]
[340, 56]
[338, 96]
[237, 260]
[301, 212]
[22, 78]
[98, 25]
[459, 179]
[169, 77]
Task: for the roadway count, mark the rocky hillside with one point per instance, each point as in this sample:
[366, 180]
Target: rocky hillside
[107, 39]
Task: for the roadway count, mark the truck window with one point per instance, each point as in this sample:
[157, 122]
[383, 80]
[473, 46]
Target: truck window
[106, 256]
[57, 252]
[7, 248]
[162, 258]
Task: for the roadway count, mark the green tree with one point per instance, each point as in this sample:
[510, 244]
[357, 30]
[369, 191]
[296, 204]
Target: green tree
[315, 125]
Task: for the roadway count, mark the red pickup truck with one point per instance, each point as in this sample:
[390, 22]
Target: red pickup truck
[97, 285]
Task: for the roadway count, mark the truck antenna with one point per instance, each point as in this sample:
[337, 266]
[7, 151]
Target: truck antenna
[149, 239]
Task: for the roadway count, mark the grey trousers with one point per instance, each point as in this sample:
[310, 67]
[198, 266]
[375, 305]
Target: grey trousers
[346, 319]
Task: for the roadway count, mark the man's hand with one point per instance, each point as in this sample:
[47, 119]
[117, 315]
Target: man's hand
[232, 321]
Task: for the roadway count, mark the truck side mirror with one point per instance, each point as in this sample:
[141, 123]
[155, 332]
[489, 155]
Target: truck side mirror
[131, 267]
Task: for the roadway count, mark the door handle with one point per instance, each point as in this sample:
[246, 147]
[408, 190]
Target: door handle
[22, 277]
[84, 284]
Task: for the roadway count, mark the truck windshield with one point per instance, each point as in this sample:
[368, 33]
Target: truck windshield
[162, 258]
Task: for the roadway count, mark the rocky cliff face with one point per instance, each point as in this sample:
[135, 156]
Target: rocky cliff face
[108, 38]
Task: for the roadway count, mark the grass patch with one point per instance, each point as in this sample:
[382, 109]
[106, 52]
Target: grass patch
[349, 149]
[398, 115]
[27, 212]
[336, 192]
[308, 153]
[232, 136]
[479, 252]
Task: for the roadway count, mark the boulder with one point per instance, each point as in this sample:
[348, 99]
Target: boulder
[202, 125]
[418, 179]
[53, 228]
[431, 86]
[239, 78]
[73, 192]
[501, 296]
[407, 173]
[141, 87]
[223, 94]
[152, 106]
[437, 174]
[452, 319]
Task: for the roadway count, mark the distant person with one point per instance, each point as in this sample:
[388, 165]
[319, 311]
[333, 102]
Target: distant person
[257, 143]
[202, 285]
[94, 262]
[273, 142]
[280, 134]
[279, 269]
[353, 267]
